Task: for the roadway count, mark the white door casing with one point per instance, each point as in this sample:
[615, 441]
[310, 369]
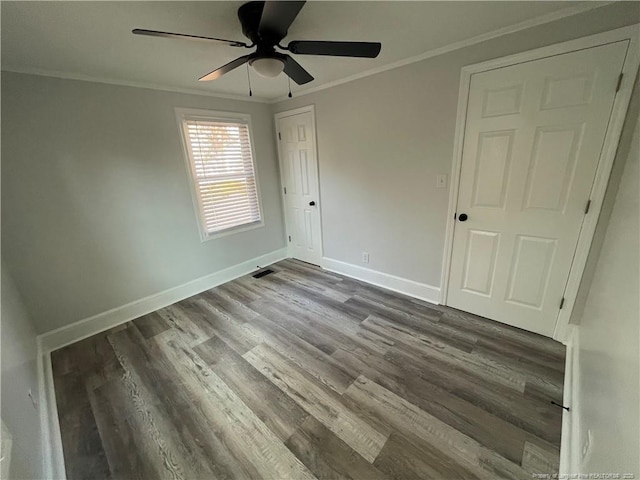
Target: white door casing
[299, 179]
[533, 137]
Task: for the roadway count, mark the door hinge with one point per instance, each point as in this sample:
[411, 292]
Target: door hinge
[561, 303]
[586, 210]
[285, 190]
[279, 136]
[289, 237]
[619, 82]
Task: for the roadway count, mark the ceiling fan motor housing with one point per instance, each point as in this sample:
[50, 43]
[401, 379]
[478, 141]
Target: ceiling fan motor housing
[249, 15]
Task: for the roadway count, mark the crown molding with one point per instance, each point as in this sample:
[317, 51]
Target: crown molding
[550, 17]
[533, 22]
[129, 83]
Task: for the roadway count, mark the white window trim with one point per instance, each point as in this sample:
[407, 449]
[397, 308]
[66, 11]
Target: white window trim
[190, 113]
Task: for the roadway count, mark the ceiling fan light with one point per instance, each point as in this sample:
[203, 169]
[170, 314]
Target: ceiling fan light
[268, 67]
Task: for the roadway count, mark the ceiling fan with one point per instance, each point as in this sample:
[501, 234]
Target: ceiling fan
[266, 24]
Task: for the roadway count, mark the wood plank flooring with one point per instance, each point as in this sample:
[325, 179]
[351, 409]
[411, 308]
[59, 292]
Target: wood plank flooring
[307, 374]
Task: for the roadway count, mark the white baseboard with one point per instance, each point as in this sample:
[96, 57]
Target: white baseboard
[570, 440]
[79, 330]
[422, 291]
[52, 454]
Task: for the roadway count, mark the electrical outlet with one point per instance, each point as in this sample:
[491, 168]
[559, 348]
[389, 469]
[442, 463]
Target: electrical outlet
[441, 181]
[365, 257]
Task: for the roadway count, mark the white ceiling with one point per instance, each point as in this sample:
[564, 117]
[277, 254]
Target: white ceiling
[93, 39]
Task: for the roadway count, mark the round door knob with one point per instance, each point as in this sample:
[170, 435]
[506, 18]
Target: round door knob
[463, 217]
[312, 203]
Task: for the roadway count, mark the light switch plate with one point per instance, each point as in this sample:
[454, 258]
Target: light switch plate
[441, 181]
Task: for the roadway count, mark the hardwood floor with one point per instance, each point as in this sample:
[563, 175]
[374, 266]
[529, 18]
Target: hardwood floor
[304, 374]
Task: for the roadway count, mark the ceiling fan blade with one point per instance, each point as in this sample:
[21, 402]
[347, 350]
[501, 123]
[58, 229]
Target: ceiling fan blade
[225, 68]
[337, 49]
[182, 36]
[277, 17]
[295, 71]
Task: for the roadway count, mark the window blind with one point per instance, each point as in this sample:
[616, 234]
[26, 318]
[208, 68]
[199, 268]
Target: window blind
[223, 171]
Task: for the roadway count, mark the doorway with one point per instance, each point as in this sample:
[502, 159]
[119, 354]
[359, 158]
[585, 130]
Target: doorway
[532, 137]
[296, 138]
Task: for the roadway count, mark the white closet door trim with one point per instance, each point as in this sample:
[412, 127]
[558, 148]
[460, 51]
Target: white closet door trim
[288, 113]
[610, 145]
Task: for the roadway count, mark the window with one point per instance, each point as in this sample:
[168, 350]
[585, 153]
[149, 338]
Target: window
[220, 157]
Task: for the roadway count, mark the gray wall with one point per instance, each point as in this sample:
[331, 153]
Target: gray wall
[609, 356]
[96, 207]
[19, 375]
[383, 139]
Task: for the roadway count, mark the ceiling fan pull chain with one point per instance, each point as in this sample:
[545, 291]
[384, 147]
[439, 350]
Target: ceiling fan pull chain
[289, 79]
[249, 80]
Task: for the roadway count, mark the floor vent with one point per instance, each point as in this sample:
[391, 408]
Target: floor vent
[263, 273]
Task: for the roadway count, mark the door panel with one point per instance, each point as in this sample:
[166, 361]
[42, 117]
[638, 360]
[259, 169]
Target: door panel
[300, 180]
[492, 168]
[502, 101]
[530, 270]
[552, 167]
[480, 262]
[533, 137]
[567, 91]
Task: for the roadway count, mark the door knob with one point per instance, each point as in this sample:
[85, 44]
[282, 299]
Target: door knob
[312, 203]
[463, 217]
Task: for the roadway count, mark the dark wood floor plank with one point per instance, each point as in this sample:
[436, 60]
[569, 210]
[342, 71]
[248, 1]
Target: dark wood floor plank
[412, 318]
[534, 415]
[125, 457]
[311, 271]
[405, 458]
[185, 324]
[367, 305]
[240, 427]
[305, 373]
[501, 346]
[397, 301]
[427, 331]
[225, 326]
[321, 402]
[228, 304]
[539, 460]
[165, 427]
[312, 360]
[317, 318]
[214, 350]
[431, 348]
[308, 284]
[408, 419]
[304, 295]
[84, 452]
[489, 430]
[290, 320]
[151, 324]
[90, 354]
[494, 330]
[548, 381]
[240, 292]
[327, 456]
[278, 412]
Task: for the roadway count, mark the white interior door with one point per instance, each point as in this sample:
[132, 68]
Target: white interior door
[533, 137]
[299, 174]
